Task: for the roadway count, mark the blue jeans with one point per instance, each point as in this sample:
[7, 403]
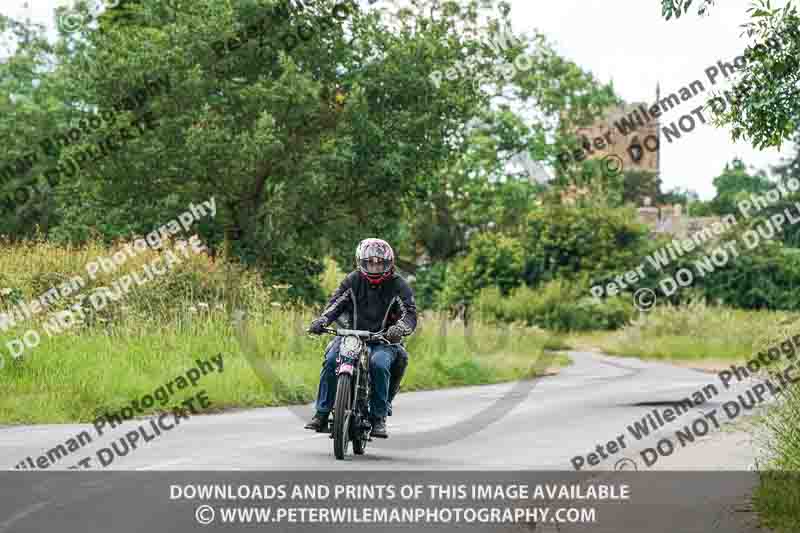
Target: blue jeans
[381, 358]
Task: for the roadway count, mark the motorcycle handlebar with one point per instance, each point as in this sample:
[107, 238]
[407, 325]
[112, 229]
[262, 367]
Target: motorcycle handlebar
[369, 335]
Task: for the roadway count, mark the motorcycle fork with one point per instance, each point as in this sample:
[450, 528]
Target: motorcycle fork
[361, 393]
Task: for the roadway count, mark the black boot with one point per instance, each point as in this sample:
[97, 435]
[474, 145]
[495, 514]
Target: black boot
[319, 423]
[396, 372]
[379, 428]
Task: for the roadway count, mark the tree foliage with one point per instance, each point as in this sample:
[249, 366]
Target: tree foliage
[766, 107]
[569, 243]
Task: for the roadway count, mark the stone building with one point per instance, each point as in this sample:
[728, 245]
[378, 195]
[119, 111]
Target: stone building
[630, 134]
[672, 221]
[627, 131]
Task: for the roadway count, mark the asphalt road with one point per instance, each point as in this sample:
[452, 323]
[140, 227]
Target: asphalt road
[553, 420]
[541, 426]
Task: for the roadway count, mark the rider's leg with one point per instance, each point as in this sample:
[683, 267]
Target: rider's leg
[380, 362]
[396, 372]
[326, 393]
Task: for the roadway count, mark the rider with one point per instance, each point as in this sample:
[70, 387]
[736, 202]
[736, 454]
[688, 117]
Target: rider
[376, 297]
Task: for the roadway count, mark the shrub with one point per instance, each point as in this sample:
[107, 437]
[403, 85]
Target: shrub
[558, 305]
[428, 284]
[567, 242]
[493, 260]
[764, 278]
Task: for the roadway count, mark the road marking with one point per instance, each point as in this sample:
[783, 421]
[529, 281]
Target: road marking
[22, 514]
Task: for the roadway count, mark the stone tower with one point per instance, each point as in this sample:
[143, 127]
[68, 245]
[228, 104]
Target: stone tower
[634, 135]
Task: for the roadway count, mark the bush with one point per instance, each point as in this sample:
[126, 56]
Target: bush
[764, 278]
[428, 284]
[493, 260]
[559, 306]
[567, 242]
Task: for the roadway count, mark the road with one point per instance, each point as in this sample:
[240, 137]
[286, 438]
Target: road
[588, 404]
[548, 423]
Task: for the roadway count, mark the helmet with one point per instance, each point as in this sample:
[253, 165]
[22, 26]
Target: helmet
[375, 260]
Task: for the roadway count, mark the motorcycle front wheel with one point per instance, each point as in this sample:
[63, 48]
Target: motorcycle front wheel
[342, 416]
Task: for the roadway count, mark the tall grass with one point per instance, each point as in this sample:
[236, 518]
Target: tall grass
[158, 331]
[778, 496]
[693, 331]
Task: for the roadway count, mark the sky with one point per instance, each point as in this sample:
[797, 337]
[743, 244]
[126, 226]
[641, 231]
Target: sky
[629, 43]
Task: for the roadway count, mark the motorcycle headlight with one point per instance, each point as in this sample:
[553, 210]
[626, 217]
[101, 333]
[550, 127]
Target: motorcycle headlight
[350, 347]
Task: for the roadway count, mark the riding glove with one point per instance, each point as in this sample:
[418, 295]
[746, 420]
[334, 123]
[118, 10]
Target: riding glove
[317, 327]
[394, 333]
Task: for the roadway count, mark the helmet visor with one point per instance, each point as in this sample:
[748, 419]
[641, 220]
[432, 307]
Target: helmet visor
[374, 265]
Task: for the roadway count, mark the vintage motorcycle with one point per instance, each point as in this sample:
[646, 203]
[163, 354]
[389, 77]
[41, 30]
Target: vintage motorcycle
[351, 408]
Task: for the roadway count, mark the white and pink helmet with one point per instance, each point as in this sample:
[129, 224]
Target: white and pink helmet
[375, 260]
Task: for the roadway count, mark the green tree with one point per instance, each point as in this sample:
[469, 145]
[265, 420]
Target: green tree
[639, 184]
[574, 243]
[735, 184]
[482, 188]
[493, 260]
[307, 146]
[678, 195]
[766, 106]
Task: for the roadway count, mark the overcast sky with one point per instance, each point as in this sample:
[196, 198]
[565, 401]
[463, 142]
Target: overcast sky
[628, 42]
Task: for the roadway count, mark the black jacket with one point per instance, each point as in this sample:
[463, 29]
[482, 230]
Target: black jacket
[365, 307]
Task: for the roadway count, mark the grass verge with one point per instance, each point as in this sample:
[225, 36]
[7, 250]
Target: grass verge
[147, 337]
[72, 378]
[692, 333]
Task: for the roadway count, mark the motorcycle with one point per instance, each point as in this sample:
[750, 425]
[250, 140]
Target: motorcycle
[351, 408]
